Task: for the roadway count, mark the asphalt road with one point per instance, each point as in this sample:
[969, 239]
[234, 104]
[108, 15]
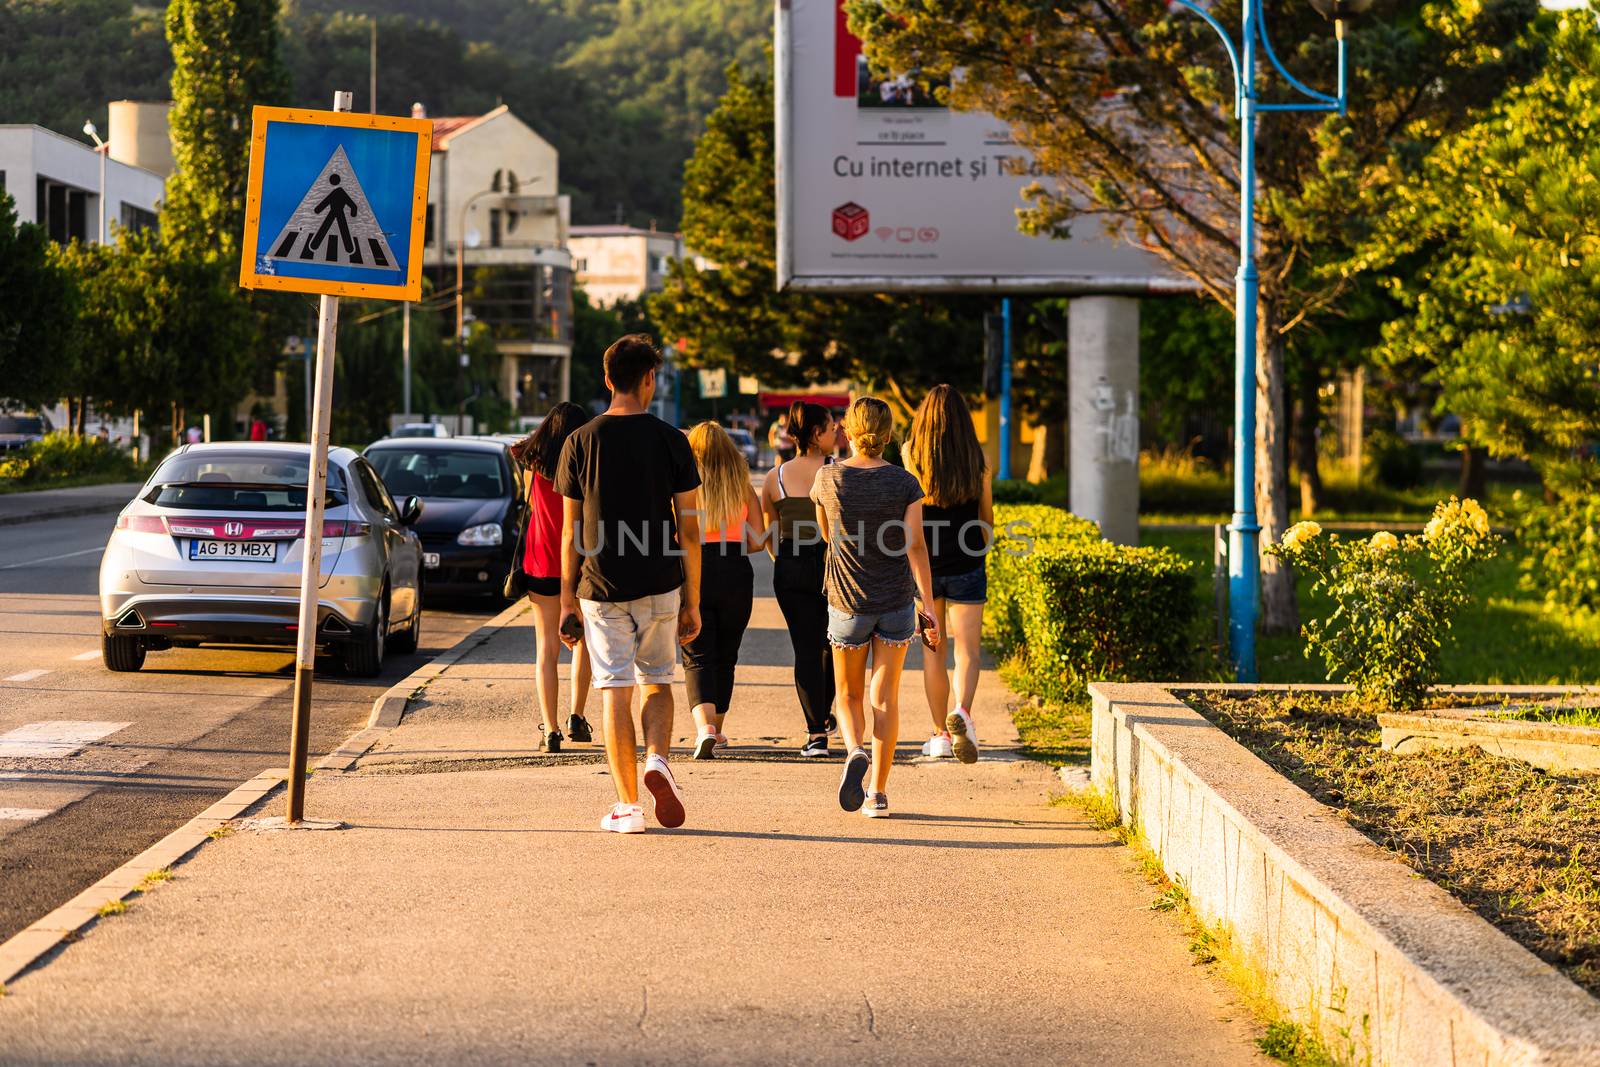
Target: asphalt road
[158, 746]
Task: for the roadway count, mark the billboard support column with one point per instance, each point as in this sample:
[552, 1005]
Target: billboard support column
[1103, 401]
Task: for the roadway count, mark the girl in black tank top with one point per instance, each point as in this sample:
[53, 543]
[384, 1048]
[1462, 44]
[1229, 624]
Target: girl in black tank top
[943, 451]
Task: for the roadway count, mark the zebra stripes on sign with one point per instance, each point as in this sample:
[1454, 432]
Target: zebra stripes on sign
[334, 223]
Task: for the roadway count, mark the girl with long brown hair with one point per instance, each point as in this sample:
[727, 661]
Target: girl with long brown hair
[943, 453]
[727, 582]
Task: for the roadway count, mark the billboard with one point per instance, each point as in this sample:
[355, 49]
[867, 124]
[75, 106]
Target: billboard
[880, 188]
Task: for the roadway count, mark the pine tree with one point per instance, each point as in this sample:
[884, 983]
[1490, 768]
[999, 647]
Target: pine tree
[1495, 255]
[225, 61]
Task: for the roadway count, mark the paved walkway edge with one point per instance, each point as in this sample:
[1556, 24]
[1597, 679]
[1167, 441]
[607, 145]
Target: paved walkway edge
[390, 707]
[40, 939]
[1387, 967]
[29, 946]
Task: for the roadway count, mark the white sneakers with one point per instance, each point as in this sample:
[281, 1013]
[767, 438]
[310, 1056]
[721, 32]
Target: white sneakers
[938, 747]
[629, 818]
[664, 788]
[963, 735]
[624, 819]
[705, 745]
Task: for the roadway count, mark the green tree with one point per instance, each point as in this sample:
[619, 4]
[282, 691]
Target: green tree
[35, 314]
[1126, 110]
[1503, 303]
[225, 61]
[731, 314]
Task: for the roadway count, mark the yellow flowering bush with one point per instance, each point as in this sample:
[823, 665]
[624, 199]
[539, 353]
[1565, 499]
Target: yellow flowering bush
[1393, 598]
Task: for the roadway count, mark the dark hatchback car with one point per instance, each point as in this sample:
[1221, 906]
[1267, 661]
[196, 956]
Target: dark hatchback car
[473, 507]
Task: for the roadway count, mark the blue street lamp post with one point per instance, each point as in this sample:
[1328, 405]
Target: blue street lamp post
[1244, 562]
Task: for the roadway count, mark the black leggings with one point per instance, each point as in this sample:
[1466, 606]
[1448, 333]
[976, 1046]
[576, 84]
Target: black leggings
[797, 583]
[727, 588]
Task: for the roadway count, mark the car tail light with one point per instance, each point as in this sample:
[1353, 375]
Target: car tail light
[346, 529]
[142, 523]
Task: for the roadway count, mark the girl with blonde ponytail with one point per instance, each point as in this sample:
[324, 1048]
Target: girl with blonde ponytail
[727, 581]
[870, 512]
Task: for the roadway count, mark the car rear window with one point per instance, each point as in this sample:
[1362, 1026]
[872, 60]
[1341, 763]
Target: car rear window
[238, 481]
[21, 424]
[437, 472]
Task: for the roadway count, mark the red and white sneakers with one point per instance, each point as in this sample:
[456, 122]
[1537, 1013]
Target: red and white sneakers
[624, 819]
[664, 788]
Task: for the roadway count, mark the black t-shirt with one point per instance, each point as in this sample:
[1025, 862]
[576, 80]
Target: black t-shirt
[626, 469]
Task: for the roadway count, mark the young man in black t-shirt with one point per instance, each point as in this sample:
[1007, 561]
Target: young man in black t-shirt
[630, 551]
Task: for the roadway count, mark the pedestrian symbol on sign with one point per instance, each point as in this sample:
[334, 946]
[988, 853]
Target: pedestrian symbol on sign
[334, 223]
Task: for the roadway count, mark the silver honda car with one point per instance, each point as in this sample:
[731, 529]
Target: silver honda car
[210, 550]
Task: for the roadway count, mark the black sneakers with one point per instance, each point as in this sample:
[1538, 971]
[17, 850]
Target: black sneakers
[816, 746]
[851, 795]
[578, 728]
[549, 742]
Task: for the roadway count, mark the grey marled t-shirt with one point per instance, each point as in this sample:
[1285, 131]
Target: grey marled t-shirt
[868, 571]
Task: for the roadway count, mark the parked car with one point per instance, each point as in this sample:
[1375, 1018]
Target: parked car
[22, 429]
[421, 429]
[474, 505]
[211, 549]
[746, 443]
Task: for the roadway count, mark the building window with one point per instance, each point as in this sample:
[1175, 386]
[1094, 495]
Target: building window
[135, 219]
[62, 210]
[580, 264]
[2, 182]
[495, 215]
[427, 227]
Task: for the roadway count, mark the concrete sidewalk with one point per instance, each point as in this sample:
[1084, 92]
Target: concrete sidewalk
[470, 912]
[42, 504]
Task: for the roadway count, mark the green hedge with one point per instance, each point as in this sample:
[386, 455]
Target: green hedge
[61, 456]
[1020, 530]
[1563, 552]
[1073, 608]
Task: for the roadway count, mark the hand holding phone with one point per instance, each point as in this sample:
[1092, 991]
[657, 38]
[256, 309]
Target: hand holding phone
[928, 630]
[571, 629]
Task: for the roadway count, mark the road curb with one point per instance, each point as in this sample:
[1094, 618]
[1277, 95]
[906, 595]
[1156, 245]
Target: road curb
[390, 708]
[62, 513]
[30, 945]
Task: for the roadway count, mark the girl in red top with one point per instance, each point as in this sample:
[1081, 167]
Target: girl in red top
[541, 561]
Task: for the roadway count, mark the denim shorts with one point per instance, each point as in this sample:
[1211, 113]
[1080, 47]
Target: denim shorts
[632, 642]
[897, 627]
[969, 588]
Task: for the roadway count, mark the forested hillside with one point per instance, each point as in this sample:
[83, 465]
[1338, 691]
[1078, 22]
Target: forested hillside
[621, 87]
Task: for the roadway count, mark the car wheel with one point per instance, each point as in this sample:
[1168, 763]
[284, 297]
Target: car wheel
[120, 653]
[406, 640]
[364, 657]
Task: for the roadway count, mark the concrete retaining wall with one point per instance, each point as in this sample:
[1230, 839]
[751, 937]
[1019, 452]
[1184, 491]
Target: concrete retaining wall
[1387, 967]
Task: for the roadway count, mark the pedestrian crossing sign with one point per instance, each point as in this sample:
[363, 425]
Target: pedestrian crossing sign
[336, 204]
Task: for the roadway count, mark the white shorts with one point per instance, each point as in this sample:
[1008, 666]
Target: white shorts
[632, 642]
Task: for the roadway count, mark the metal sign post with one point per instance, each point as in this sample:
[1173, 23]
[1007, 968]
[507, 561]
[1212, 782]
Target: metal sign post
[335, 206]
[305, 649]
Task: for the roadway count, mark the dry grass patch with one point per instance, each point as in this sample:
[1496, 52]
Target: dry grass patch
[1519, 846]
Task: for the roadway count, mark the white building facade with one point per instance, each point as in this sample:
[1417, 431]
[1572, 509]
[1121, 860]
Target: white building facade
[493, 198]
[55, 181]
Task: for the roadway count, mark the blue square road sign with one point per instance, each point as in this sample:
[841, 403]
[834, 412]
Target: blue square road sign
[336, 203]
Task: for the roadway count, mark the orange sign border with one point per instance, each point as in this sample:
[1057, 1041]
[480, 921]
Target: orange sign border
[249, 278]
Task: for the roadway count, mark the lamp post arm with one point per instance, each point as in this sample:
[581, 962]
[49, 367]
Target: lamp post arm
[1304, 89]
[1227, 43]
